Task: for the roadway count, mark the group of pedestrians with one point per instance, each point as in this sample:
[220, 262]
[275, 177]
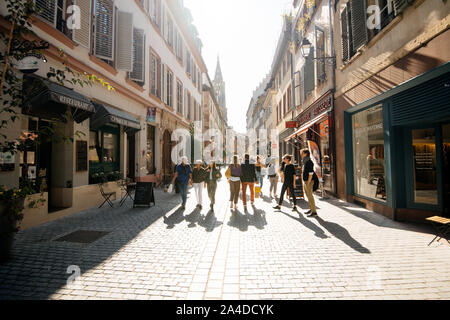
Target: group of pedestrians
[246, 175]
[200, 177]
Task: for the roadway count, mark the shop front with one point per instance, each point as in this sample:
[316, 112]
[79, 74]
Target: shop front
[315, 132]
[397, 148]
[107, 156]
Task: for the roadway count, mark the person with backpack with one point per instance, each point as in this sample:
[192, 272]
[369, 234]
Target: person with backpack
[183, 177]
[198, 178]
[248, 179]
[212, 174]
[310, 181]
[289, 182]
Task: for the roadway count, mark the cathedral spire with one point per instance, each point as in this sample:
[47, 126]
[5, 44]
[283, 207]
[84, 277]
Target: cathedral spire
[218, 77]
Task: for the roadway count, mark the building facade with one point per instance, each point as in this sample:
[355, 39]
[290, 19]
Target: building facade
[392, 106]
[149, 52]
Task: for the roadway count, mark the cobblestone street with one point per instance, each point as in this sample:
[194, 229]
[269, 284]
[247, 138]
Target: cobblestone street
[163, 253]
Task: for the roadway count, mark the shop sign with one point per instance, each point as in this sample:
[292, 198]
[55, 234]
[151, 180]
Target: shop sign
[151, 114]
[29, 64]
[291, 124]
[124, 122]
[7, 158]
[72, 102]
[315, 110]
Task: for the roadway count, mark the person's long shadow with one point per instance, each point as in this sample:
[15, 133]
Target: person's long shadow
[238, 220]
[258, 219]
[175, 218]
[209, 222]
[318, 232]
[193, 217]
[342, 234]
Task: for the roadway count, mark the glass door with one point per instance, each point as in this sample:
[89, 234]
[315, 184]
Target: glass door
[424, 166]
[446, 168]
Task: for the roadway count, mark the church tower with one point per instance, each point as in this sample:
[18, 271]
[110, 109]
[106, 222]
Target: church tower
[219, 88]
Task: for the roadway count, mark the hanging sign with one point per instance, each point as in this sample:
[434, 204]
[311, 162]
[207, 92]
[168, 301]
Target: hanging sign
[151, 114]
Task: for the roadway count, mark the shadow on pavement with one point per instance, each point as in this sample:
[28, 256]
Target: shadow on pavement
[342, 234]
[209, 222]
[318, 232]
[175, 218]
[242, 220]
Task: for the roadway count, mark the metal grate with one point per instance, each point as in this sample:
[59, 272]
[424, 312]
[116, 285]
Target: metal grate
[82, 236]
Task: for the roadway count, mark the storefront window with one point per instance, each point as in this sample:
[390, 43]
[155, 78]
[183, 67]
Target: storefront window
[94, 147]
[110, 147]
[150, 156]
[327, 156]
[368, 153]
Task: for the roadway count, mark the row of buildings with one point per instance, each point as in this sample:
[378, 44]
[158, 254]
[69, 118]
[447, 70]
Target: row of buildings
[365, 84]
[150, 53]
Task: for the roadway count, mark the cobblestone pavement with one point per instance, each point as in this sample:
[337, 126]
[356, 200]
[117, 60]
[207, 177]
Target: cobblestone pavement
[164, 253]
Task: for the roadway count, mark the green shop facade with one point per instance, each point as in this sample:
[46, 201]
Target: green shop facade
[397, 148]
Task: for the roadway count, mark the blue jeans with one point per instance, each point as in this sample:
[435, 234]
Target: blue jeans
[260, 178]
[183, 191]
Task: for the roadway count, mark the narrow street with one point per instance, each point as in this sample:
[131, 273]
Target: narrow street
[163, 253]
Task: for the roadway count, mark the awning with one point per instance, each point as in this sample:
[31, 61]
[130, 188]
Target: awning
[308, 124]
[48, 100]
[105, 114]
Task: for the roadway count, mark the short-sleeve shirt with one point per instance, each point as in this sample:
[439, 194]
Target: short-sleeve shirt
[183, 173]
[289, 172]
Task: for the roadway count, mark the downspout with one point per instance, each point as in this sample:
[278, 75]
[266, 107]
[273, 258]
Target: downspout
[333, 90]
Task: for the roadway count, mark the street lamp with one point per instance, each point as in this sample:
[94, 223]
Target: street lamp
[305, 47]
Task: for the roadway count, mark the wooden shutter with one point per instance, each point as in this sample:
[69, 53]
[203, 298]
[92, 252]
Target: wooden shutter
[46, 10]
[138, 73]
[158, 78]
[124, 41]
[104, 29]
[163, 83]
[345, 35]
[358, 23]
[82, 36]
[310, 79]
[400, 6]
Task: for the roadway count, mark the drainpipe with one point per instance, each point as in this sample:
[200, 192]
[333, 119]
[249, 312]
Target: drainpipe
[333, 90]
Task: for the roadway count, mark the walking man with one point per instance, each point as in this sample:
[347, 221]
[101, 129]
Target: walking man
[309, 178]
[248, 179]
[273, 177]
[289, 182]
[212, 175]
[198, 177]
[183, 177]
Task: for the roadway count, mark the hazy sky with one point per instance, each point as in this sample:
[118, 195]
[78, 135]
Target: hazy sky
[244, 33]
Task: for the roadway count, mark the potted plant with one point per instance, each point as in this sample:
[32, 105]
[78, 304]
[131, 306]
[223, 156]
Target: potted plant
[11, 207]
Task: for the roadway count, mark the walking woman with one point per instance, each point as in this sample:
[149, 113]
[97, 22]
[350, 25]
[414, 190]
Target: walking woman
[258, 166]
[212, 175]
[235, 182]
[198, 177]
[273, 177]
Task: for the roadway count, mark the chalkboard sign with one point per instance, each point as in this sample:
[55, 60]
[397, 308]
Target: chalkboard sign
[81, 154]
[298, 183]
[144, 195]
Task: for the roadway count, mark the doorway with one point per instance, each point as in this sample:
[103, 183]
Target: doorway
[131, 140]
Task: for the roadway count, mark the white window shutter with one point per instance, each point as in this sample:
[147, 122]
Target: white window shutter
[82, 36]
[104, 29]
[124, 41]
[46, 10]
[138, 73]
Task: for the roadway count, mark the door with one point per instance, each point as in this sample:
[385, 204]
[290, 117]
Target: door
[131, 156]
[424, 169]
[446, 168]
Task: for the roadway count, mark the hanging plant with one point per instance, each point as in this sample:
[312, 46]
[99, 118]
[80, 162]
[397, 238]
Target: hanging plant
[310, 3]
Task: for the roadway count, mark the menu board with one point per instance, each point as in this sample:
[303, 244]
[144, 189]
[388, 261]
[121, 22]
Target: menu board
[298, 183]
[144, 195]
[81, 154]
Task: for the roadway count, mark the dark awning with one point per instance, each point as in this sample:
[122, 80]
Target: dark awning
[105, 114]
[48, 100]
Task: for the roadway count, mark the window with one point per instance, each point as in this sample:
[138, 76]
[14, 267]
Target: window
[320, 52]
[169, 88]
[110, 147]
[368, 153]
[188, 104]
[155, 75]
[103, 29]
[138, 73]
[179, 97]
[188, 62]
[309, 74]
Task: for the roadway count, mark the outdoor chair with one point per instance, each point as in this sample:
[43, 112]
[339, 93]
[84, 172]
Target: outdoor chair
[107, 196]
[441, 226]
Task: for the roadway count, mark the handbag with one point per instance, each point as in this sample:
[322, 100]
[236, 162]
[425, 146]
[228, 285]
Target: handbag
[228, 173]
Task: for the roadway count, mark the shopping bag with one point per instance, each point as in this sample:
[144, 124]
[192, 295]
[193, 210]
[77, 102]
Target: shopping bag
[228, 173]
[170, 189]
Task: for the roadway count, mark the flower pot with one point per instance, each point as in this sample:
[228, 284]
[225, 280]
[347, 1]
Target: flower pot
[7, 228]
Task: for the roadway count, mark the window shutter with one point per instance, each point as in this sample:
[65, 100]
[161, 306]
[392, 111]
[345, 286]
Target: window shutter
[310, 79]
[82, 36]
[124, 41]
[400, 6]
[138, 73]
[46, 10]
[358, 23]
[104, 29]
[163, 83]
[345, 35]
